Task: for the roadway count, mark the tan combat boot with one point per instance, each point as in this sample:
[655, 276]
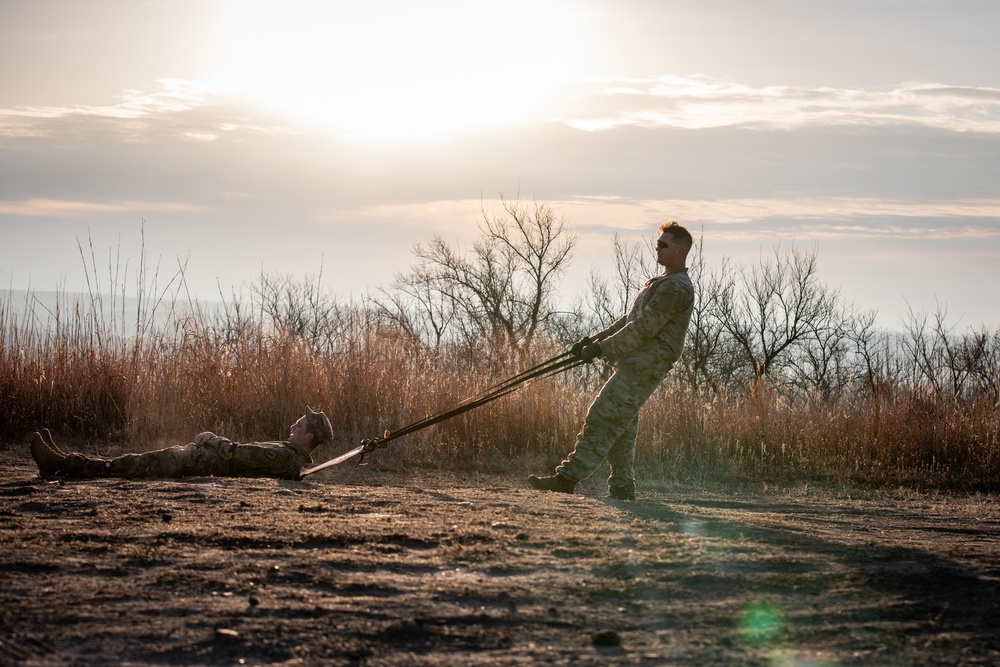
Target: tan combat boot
[48, 461]
[553, 483]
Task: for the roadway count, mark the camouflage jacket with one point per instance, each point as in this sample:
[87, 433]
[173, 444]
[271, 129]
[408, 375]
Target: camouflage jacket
[263, 459]
[651, 335]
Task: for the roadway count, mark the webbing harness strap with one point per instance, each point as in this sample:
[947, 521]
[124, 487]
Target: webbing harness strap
[557, 364]
[551, 367]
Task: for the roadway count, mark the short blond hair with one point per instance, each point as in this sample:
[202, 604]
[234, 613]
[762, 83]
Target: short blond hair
[680, 234]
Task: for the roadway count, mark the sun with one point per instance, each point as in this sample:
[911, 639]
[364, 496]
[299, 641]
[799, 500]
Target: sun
[399, 68]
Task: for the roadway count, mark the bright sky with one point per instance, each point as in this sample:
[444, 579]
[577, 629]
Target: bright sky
[297, 136]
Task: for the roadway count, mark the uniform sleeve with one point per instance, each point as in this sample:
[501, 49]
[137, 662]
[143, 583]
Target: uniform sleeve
[668, 300]
[611, 328]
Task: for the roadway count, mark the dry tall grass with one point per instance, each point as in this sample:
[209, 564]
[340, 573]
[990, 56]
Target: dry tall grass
[101, 385]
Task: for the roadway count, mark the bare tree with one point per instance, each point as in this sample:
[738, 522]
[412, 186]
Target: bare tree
[987, 372]
[502, 292]
[779, 304]
[952, 366]
[541, 248]
[962, 356]
[607, 301]
[298, 308]
[415, 308]
[871, 354]
[824, 364]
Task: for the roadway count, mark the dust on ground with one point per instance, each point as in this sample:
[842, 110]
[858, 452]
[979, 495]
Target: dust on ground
[366, 567]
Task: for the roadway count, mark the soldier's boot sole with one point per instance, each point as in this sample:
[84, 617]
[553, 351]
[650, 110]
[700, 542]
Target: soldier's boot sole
[50, 441]
[556, 483]
[621, 493]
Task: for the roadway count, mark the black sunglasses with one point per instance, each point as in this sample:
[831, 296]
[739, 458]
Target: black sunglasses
[660, 245]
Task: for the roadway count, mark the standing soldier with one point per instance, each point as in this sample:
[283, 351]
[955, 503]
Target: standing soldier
[642, 346]
[209, 454]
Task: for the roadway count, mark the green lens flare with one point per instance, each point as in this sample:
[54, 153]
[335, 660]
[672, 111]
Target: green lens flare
[761, 623]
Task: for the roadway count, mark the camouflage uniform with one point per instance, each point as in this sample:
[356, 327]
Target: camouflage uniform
[218, 456]
[642, 346]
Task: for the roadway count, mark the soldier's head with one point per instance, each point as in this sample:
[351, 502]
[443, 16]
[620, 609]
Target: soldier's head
[673, 245]
[319, 426]
[311, 430]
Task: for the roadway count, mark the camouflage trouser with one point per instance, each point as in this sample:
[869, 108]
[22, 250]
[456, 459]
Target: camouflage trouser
[190, 460]
[218, 457]
[610, 429]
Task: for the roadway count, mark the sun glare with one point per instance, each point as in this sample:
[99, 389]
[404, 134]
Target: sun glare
[398, 68]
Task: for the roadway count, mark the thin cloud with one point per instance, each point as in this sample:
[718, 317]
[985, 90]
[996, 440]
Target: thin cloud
[861, 217]
[198, 111]
[68, 208]
[176, 95]
[185, 109]
[816, 217]
[697, 102]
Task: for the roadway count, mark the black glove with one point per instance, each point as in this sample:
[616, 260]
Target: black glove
[578, 346]
[591, 352]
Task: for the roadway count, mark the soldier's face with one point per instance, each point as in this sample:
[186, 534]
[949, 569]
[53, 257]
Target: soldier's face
[669, 255]
[300, 434]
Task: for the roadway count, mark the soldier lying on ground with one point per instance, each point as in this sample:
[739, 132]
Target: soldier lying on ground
[209, 454]
[642, 346]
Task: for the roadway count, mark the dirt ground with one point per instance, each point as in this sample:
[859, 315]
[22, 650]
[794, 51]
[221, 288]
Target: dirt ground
[359, 566]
